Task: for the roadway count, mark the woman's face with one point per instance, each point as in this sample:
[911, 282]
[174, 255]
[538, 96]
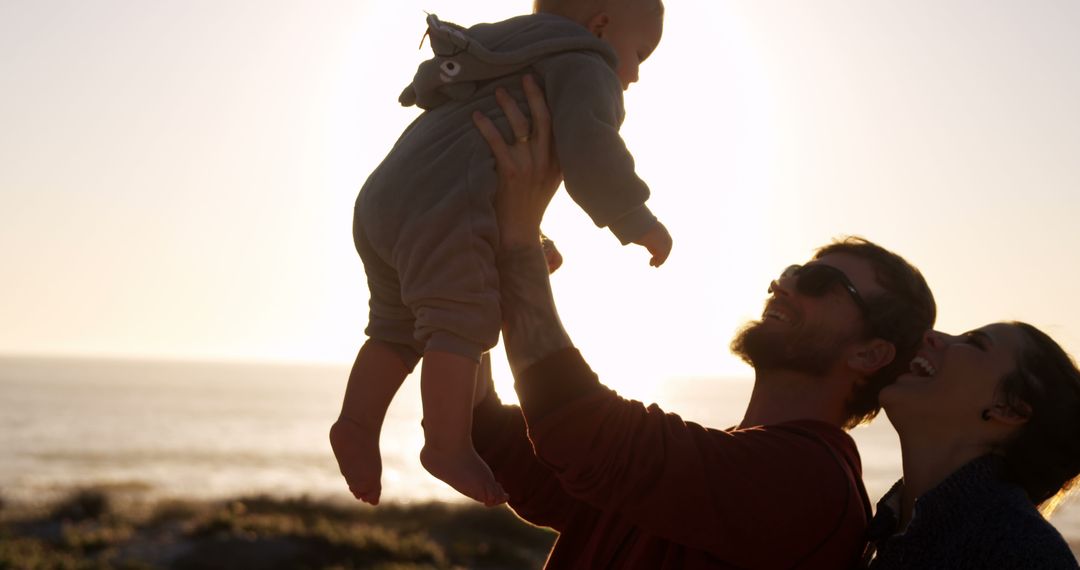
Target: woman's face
[953, 379]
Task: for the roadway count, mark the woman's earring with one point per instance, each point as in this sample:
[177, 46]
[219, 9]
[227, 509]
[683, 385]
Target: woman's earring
[986, 415]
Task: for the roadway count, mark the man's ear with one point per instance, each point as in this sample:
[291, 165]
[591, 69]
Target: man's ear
[597, 25]
[872, 356]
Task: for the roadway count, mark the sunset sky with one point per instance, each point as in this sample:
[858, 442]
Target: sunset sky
[177, 177]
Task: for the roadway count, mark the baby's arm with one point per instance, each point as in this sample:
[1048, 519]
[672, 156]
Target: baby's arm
[598, 170]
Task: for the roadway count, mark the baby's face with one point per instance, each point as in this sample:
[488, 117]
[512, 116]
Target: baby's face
[634, 31]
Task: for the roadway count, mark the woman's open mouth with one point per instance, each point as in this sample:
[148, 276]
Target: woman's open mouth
[921, 367]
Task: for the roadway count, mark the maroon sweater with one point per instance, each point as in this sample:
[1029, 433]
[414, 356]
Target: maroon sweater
[628, 486]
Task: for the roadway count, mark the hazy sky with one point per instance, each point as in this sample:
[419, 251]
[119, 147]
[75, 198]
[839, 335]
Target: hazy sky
[177, 177]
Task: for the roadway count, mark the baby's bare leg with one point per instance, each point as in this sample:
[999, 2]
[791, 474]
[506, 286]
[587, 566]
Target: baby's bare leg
[376, 376]
[446, 385]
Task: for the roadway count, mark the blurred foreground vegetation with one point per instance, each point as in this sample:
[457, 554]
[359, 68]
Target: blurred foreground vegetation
[89, 529]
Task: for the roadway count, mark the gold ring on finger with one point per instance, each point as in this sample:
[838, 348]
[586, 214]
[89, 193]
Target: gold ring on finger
[523, 139]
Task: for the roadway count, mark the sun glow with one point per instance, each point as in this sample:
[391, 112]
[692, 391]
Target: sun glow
[178, 178]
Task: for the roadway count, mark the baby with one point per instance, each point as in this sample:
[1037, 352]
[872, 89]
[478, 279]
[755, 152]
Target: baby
[424, 222]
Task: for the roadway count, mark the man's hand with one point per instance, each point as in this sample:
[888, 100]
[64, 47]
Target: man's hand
[658, 241]
[528, 170]
[551, 254]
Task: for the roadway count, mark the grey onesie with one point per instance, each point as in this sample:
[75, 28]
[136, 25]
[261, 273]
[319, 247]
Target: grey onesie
[424, 222]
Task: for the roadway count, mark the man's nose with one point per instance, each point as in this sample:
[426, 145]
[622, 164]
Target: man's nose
[781, 287]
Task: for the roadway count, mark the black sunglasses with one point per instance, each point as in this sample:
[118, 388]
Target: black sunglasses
[818, 279]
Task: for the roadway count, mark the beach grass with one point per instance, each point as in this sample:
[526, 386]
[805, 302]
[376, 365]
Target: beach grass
[90, 529]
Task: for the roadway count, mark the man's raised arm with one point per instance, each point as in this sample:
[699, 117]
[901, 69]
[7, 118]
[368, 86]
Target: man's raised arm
[721, 492]
[531, 326]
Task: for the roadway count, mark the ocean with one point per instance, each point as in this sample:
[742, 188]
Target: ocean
[212, 430]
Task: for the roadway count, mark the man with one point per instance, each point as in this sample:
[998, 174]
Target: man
[628, 486]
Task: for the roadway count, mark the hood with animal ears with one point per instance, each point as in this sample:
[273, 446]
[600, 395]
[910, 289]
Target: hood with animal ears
[464, 58]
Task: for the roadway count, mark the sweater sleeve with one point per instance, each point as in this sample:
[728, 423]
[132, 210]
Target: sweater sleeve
[754, 498]
[586, 103]
[500, 438]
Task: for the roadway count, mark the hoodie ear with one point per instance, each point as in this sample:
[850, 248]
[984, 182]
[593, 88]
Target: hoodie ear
[872, 356]
[597, 25]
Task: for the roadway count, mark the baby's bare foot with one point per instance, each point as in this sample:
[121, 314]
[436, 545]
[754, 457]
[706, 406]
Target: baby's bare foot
[463, 470]
[356, 448]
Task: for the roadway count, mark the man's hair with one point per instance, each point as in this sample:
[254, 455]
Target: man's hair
[901, 315]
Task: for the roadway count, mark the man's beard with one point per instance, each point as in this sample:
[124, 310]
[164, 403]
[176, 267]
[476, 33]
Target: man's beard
[806, 351]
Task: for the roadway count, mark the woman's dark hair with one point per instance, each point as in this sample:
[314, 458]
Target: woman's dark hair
[901, 315]
[1044, 457]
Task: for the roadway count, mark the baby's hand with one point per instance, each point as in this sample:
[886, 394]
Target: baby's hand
[658, 241]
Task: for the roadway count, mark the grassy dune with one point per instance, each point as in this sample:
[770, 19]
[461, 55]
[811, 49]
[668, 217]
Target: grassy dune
[90, 529]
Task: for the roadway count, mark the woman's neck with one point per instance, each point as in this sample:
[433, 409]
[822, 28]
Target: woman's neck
[929, 459]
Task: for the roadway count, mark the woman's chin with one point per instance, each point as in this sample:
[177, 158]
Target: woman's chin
[903, 395]
[912, 379]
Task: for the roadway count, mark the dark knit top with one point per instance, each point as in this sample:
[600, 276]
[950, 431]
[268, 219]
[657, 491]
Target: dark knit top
[973, 519]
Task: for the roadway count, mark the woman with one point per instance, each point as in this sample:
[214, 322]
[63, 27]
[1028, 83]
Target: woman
[989, 426]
